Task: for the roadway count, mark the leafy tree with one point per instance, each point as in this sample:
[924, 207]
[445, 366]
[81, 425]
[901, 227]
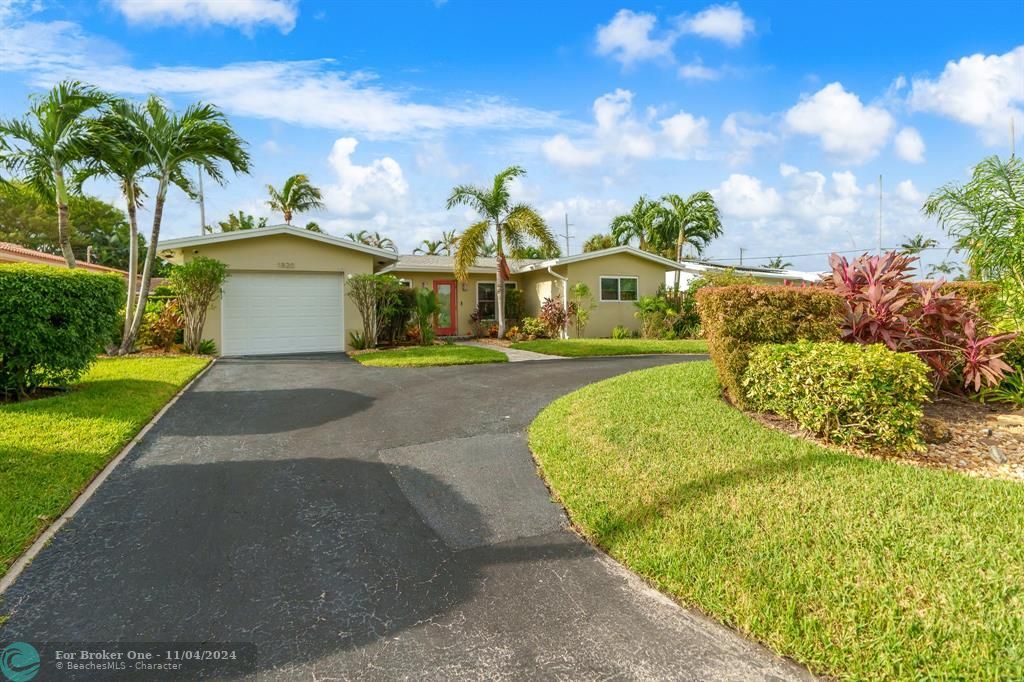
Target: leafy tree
[513, 226]
[201, 136]
[429, 247]
[241, 221]
[916, 244]
[42, 147]
[778, 264]
[639, 224]
[694, 220]
[373, 295]
[297, 195]
[599, 242]
[196, 283]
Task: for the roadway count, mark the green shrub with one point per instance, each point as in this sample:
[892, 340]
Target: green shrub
[398, 315]
[161, 325]
[531, 328]
[357, 340]
[737, 318]
[620, 332]
[851, 394]
[207, 347]
[514, 304]
[53, 324]
[426, 312]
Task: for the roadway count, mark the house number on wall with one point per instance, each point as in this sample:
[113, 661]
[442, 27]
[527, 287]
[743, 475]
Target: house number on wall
[286, 265]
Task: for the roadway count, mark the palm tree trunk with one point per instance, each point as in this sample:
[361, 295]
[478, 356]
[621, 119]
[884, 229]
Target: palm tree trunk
[133, 261]
[63, 222]
[679, 254]
[147, 269]
[499, 288]
[287, 217]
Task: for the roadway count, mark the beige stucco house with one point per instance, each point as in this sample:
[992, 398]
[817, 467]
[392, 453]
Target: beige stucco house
[286, 292]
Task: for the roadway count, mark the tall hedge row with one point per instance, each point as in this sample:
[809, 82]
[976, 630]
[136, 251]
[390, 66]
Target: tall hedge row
[53, 324]
[735, 319]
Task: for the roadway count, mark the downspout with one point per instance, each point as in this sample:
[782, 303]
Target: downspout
[565, 300]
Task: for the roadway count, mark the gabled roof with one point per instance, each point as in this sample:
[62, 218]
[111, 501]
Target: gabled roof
[632, 250]
[16, 253]
[418, 263]
[219, 237]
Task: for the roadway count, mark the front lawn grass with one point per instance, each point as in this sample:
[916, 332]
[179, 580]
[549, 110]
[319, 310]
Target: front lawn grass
[577, 348]
[429, 356]
[51, 448]
[857, 568]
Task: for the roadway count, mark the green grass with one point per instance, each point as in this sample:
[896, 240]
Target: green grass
[857, 568]
[577, 348]
[52, 447]
[430, 356]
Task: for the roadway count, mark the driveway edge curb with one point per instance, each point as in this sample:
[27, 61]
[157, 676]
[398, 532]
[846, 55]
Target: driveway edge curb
[23, 561]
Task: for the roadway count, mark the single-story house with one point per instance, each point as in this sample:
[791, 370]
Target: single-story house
[690, 270]
[15, 253]
[286, 292]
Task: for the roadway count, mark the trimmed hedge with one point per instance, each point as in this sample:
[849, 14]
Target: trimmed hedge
[53, 324]
[985, 295]
[735, 319]
[851, 394]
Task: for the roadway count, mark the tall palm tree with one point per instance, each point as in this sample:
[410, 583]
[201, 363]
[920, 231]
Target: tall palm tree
[201, 136]
[314, 226]
[638, 224]
[598, 242]
[778, 264]
[429, 247]
[241, 221]
[513, 224]
[297, 195]
[357, 237]
[449, 240]
[693, 221]
[44, 145]
[916, 244]
[372, 239]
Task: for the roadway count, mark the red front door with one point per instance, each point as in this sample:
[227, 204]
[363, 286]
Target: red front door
[447, 298]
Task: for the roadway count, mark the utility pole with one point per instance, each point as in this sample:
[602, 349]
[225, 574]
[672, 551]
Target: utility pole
[741, 256]
[202, 203]
[567, 236]
[879, 214]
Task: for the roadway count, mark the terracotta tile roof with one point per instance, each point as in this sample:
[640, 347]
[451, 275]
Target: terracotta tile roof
[16, 253]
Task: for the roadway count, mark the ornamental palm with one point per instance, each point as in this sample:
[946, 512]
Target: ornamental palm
[449, 240]
[778, 264]
[297, 195]
[638, 224]
[916, 244]
[599, 242]
[429, 247]
[694, 220]
[201, 136]
[513, 224]
[50, 140]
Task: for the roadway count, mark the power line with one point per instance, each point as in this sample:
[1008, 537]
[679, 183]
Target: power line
[819, 253]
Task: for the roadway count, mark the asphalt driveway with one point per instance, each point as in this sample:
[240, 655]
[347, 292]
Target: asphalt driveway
[363, 523]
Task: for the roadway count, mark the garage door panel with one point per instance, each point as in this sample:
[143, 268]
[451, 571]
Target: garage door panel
[265, 313]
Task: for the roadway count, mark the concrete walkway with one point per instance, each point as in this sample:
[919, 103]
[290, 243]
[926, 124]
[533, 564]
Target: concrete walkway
[514, 354]
[364, 523]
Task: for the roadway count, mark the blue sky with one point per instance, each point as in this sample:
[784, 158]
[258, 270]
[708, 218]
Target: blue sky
[787, 111]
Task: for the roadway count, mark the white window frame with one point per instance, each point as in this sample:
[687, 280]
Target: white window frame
[508, 283]
[618, 288]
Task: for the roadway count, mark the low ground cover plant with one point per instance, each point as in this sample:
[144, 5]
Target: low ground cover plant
[850, 394]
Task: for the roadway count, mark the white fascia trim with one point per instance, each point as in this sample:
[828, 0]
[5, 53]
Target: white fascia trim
[555, 262]
[201, 240]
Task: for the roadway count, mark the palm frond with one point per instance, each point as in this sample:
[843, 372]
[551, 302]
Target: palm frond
[470, 243]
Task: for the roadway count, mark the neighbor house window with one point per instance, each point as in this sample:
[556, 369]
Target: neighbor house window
[485, 298]
[618, 288]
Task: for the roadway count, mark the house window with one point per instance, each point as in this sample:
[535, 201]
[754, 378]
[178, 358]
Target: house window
[485, 298]
[405, 282]
[618, 288]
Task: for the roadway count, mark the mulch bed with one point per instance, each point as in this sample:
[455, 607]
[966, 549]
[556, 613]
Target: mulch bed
[978, 440]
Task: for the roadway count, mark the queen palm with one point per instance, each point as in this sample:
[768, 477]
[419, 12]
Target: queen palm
[638, 224]
[693, 221]
[43, 146]
[514, 225]
[449, 240]
[429, 247]
[918, 243]
[198, 136]
[297, 195]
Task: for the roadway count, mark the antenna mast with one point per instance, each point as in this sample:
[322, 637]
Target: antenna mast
[879, 214]
[567, 236]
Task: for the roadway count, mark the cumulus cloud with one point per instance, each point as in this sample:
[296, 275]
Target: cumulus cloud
[362, 191]
[243, 14]
[696, 71]
[844, 126]
[628, 38]
[744, 133]
[982, 91]
[909, 145]
[725, 23]
[744, 196]
[619, 133]
[908, 193]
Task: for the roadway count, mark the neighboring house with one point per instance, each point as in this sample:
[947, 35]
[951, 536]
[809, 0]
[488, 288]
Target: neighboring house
[286, 292]
[13, 253]
[690, 270]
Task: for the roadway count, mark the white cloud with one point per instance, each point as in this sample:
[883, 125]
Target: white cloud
[619, 134]
[243, 14]
[982, 91]
[628, 38]
[741, 132]
[744, 196]
[908, 193]
[843, 125]
[725, 23]
[587, 215]
[909, 145]
[363, 190]
[696, 71]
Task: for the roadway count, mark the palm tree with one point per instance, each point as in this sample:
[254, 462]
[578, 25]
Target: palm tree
[916, 244]
[429, 247]
[297, 195]
[488, 249]
[532, 251]
[513, 225]
[778, 264]
[449, 240]
[694, 220]
[357, 237]
[50, 140]
[638, 224]
[599, 242]
[945, 269]
[314, 226]
[201, 136]
[241, 221]
[372, 239]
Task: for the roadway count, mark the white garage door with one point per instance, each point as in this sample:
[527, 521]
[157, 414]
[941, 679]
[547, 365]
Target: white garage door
[277, 312]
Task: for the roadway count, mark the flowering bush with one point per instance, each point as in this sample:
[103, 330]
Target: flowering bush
[882, 305]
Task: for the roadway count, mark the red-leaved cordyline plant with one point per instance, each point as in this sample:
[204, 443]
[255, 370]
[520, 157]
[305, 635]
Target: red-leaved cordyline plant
[883, 306]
